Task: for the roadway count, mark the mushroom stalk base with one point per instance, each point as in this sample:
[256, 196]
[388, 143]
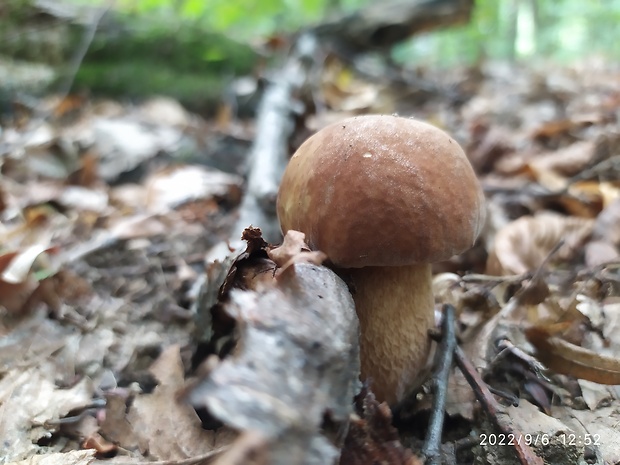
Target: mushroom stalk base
[395, 306]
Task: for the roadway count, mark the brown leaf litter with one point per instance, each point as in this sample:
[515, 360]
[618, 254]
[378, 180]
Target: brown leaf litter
[98, 339]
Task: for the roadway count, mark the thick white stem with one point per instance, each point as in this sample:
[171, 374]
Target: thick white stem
[395, 309]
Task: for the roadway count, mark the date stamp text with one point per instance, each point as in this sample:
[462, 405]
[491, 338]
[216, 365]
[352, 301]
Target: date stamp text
[539, 439]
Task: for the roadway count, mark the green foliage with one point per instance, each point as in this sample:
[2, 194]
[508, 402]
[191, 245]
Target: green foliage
[140, 78]
[560, 30]
[244, 18]
[140, 57]
[185, 47]
[25, 36]
[513, 29]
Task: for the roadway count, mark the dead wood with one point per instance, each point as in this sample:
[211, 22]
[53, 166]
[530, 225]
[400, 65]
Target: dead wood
[439, 380]
[274, 127]
[296, 364]
[384, 24]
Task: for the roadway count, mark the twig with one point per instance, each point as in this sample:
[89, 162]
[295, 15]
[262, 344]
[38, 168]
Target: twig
[77, 58]
[491, 407]
[190, 461]
[439, 381]
[269, 153]
[512, 399]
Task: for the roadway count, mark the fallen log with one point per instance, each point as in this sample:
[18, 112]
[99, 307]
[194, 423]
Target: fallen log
[290, 380]
[382, 25]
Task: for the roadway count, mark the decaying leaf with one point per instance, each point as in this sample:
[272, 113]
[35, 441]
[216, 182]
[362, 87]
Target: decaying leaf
[74, 457]
[569, 359]
[523, 245]
[115, 427]
[565, 162]
[19, 264]
[294, 250]
[102, 447]
[170, 188]
[601, 425]
[17, 282]
[541, 432]
[31, 407]
[596, 395]
[183, 437]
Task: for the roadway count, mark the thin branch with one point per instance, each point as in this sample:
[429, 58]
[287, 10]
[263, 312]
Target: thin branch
[439, 382]
[190, 461]
[491, 407]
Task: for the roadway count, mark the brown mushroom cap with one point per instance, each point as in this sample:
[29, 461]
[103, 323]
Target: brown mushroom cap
[382, 190]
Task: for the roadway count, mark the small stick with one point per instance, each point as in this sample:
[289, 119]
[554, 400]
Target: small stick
[274, 127]
[491, 407]
[203, 458]
[439, 382]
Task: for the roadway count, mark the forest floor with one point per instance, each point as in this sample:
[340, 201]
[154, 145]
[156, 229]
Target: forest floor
[109, 211]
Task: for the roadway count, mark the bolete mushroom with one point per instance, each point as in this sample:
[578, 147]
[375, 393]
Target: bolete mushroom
[384, 197]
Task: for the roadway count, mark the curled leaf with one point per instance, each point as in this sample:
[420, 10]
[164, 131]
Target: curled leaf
[523, 245]
[19, 266]
[569, 359]
[294, 250]
[567, 161]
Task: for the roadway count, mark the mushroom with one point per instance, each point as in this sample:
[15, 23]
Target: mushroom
[384, 197]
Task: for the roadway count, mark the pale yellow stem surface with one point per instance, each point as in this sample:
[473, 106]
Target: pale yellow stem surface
[395, 309]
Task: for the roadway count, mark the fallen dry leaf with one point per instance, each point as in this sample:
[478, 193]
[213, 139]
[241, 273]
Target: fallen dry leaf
[489, 144]
[172, 187]
[17, 270]
[31, 406]
[567, 161]
[164, 111]
[540, 431]
[17, 282]
[115, 427]
[250, 448]
[102, 447]
[123, 144]
[74, 457]
[602, 426]
[180, 435]
[607, 225]
[294, 250]
[569, 359]
[524, 244]
[344, 91]
[596, 395]
[551, 129]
